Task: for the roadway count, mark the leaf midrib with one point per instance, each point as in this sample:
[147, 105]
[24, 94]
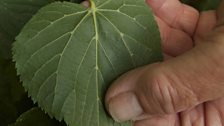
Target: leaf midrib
[93, 9]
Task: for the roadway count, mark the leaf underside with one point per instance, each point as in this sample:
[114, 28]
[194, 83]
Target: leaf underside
[67, 55]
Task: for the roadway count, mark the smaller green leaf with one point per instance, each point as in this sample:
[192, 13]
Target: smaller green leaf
[10, 88]
[12, 95]
[35, 117]
[8, 113]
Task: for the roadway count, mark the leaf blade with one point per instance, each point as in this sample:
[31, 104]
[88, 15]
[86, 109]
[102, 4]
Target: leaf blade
[67, 65]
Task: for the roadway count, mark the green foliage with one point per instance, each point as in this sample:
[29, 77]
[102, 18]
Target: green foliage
[67, 55]
[10, 92]
[203, 5]
[14, 14]
[93, 46]
[35, 117]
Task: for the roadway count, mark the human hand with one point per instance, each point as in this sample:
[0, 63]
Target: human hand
[186, 90]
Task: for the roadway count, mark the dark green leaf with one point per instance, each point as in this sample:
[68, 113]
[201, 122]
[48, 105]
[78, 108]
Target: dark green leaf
[14, 14]
[67, 55]
[35, 117]
[76, 1]
[11, 92]
[8, 113]
[203, 5]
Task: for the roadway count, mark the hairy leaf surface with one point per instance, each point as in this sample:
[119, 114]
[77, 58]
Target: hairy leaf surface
[67, 55]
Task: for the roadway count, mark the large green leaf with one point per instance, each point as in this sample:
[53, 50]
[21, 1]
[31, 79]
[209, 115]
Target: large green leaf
[14, 14]
[67, 55]
[35, 117]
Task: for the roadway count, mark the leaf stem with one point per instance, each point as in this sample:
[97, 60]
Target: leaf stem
[93, 6]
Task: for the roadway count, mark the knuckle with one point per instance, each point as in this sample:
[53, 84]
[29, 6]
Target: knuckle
[155, 93]
[166, 93]
[162, 92]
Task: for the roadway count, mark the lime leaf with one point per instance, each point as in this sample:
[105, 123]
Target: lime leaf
[35, 117]
[14, 14]
[67, 55]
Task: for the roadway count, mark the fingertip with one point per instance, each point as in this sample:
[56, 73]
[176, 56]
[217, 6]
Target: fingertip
[85, 3]
[124, 107]
[124, 83]
[188, 19]
[206, 22]
[155, 4]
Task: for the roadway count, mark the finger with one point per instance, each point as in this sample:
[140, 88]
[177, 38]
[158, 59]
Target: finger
[211, 23]
[86, 3]
[175, 14]
[193, 117]
[214, 112]
[166, 120]
[206, 23]
[174, 42]
[169, 87]
[166, 56]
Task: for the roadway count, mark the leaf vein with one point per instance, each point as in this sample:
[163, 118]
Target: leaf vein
[107, 57]
[88, 83]
[121, 34]
[52, 24]
[79, 66]
[76, 27]
[42, 66]
[44, 83]
[44, 46]
[108, 1]
[134, 20]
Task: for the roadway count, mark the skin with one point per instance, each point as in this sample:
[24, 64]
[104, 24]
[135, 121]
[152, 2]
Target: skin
[187, 89]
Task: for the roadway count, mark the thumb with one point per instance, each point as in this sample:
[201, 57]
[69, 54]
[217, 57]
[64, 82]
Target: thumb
[171, 86]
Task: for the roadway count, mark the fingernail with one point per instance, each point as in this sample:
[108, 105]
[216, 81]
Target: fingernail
[125, 107]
